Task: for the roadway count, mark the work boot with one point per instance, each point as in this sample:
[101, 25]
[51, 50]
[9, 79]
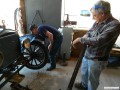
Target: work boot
[16, 86]
[50, 68]
[80, 86]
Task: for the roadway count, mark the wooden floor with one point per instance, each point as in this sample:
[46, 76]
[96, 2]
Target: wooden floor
[59, 78]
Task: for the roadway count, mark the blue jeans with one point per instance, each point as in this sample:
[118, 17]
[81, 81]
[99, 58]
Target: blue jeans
[90, 72]
[55, 48]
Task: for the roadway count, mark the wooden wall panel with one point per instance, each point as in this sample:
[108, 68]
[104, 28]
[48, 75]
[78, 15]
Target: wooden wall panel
[22, 5]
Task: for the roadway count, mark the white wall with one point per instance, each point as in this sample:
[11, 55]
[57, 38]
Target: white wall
[118, 41]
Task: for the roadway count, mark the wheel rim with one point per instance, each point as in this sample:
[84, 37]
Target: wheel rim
[35, 56]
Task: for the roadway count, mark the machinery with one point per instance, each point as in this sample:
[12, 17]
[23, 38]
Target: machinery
[18, 52]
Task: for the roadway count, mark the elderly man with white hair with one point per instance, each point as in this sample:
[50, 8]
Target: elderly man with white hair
[99, 41]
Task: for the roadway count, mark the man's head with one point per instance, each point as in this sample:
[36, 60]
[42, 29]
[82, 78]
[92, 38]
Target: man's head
[33, 29]
[101, 10]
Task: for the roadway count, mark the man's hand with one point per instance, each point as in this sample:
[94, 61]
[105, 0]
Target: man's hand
[76, 41]
[49, 46]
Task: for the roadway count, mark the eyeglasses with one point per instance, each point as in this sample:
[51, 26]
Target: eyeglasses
[96, 15]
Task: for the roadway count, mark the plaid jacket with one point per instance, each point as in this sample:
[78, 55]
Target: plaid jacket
[101, 38]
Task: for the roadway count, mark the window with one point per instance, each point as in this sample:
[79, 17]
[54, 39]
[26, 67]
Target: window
[7, 8]
[78, 10]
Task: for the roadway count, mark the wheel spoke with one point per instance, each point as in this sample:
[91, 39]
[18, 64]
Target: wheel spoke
[37, 49]
[41, 52]
[26, 56]
[26, 53]
[31, 62]
[35, 61]
[34, 48]
[40, 60]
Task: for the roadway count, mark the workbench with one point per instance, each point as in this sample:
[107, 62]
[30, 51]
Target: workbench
[115, 52]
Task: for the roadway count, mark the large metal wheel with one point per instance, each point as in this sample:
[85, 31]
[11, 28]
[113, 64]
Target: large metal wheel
[36, 56]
